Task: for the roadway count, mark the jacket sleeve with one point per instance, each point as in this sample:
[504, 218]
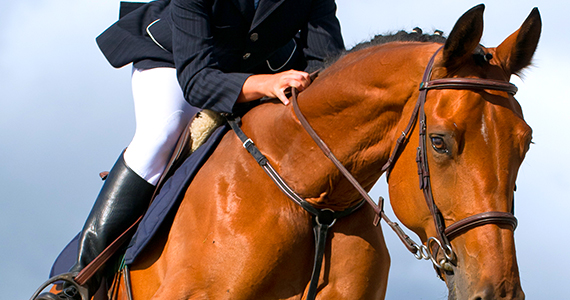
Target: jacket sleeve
[204, 84]
[323, 38]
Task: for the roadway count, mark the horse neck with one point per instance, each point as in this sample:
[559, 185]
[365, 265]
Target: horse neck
[359, 122]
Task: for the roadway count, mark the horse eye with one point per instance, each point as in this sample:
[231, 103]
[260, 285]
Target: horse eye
[438, 144]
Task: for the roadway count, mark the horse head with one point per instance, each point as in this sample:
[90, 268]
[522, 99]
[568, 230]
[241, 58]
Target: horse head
[475, 141]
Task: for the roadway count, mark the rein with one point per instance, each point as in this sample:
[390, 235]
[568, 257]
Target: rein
[324, 219]
[444, 234]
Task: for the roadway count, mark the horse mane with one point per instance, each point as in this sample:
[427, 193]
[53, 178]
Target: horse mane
[416, 35]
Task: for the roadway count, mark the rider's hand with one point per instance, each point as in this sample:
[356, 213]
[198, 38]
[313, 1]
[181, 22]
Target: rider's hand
[273, 85]
[282, 81]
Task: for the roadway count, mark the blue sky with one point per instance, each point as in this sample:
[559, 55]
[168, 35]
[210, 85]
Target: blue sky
[65, 115]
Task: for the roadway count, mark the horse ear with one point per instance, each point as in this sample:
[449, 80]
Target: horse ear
[464, 37]
[516, 51]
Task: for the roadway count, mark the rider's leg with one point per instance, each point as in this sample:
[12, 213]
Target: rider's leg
[122, 199]
[161, 115]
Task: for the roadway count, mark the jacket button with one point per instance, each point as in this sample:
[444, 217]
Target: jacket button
[246, 56]
[254, 37]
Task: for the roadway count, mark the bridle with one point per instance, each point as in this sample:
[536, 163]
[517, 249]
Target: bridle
[444, 233]
[324, 219]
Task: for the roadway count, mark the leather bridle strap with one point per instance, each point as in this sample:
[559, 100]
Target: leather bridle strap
[444, 234]
[469, 83]
[492, 217]
[421, 157]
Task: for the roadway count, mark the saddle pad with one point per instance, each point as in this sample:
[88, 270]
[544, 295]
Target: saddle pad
[171, 194]
[169, 198]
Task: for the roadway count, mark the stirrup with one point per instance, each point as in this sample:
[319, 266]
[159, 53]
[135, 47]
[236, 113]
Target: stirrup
[67, 277]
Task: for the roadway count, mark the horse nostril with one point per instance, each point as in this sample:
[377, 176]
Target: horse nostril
[489, 293]
[486, 293]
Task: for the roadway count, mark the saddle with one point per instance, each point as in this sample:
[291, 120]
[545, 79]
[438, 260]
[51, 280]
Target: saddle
[195, 135]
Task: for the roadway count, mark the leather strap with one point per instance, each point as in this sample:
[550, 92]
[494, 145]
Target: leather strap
[491, 217]
[323, 219]
[86, 273]
[378, 209]
[469, 83]
[181, 152]
[328, 153]
[421, 157]
[320, 231]
[127, 282]
[444, 234]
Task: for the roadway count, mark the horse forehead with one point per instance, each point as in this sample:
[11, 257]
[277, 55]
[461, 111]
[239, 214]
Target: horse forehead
[479, 114]
[472, 103]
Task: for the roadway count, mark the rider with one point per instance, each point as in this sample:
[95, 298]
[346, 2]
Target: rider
[189, 55]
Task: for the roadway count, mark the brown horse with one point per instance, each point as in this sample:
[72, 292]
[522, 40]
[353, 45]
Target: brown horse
[237, 236]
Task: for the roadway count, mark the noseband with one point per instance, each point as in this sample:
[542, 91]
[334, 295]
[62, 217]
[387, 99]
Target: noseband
[444, 233]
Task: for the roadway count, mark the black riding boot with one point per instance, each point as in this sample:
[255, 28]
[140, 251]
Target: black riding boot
[123, 198]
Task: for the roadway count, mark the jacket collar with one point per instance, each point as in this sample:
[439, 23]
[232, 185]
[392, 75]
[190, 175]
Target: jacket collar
[264, 9]
[246, 8]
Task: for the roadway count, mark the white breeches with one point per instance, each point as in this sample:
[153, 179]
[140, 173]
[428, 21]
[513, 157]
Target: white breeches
[161, 114]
